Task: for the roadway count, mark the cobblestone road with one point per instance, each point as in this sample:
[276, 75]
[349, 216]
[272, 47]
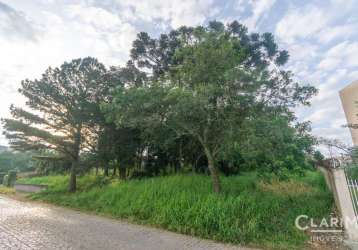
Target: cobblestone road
[26, 225]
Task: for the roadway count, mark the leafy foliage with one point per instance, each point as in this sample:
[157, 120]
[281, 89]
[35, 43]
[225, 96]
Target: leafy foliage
[222, 88]
[205, 99]
[65, 102]
[19, 161]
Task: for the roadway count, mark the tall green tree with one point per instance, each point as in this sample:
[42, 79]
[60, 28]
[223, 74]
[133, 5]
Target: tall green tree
[158, 54]
[117, 144]
[20, 161]
[214, 81]
[62, 111]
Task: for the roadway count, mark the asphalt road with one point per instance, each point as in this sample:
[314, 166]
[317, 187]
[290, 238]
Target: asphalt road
[28, 225]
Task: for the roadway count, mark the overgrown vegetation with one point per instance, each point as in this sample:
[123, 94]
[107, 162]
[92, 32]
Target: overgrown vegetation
[249, 211]
[192, 103]
[215, 98]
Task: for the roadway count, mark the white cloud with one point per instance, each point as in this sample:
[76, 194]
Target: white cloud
[301, 23]
[329, 63]
[99, 18]
[260, 8]
[176, 12]
[110, 36]
[336, 32]
[342, 55]
[353, 75]
[240, 6]
[322, 22]
[16, 25]
[319, 115]
[336, 50]
[300, 51]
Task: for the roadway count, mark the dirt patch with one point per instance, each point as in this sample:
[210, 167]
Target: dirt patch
[290, 187]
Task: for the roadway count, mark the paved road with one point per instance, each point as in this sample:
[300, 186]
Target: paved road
[27, 225]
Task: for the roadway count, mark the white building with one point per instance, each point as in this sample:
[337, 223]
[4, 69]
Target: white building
[349, 99]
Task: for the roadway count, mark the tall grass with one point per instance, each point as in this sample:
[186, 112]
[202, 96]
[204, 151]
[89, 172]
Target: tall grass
[248, 212]
[6, 190]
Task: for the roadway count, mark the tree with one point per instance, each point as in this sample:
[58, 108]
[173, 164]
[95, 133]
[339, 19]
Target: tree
[20, 161]
[158, 55]
[64, 104]
[118, 145]
[274, 142]
[216, 80]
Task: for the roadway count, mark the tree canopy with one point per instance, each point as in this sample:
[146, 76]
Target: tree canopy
[215, 82]
[64, 104]
[209, 98]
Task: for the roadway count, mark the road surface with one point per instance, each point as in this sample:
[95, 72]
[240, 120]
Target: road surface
[28, 225]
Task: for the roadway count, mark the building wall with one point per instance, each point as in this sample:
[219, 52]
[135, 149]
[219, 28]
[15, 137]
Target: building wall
[349, 99]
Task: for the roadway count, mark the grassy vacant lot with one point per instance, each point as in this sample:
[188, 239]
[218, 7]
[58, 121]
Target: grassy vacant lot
[248, 212]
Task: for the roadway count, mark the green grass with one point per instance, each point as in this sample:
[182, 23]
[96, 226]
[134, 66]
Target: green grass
[248, 212]
[6, 190]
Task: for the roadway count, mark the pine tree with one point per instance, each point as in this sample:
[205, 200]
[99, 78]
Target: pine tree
[64, 105]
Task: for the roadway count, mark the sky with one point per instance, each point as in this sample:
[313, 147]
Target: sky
[321, 37]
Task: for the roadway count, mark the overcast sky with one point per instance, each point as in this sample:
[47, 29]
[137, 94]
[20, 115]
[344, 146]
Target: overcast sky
[321, 36]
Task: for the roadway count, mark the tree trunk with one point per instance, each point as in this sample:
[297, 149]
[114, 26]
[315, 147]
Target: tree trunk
[77, 143]
[213, 171]
[122, 173]
[181, 160]
[106, 168]
[114, 170]
[73, 186]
